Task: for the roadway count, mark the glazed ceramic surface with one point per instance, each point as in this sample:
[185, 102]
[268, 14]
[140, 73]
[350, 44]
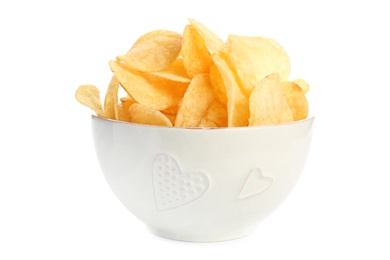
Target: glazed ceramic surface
[201, 185]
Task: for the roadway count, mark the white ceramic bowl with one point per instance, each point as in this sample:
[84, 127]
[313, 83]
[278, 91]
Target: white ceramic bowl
[201, 185]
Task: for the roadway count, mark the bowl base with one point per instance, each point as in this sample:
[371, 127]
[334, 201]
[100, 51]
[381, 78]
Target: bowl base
[201, 238]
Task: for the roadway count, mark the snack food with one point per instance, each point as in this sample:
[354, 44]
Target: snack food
[195, 79]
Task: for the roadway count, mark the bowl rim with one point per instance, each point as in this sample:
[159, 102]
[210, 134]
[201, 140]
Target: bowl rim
[113, 121]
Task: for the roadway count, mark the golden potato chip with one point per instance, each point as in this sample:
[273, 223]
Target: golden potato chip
[171, 110]
[196, 57]
[256, 57]
[267, 104]
[146, 115]
[127, 99]
[237, 103]
[89, 95]
[148, 89]
[207, 123]
[213, 42]
[218, 84]
[216, 115]
[123, 108]
[302, 84]
[195, 102]
[153, 51]
[171, 117]
[198, 80]
[296, 100]
[175, 72]
[111, 99]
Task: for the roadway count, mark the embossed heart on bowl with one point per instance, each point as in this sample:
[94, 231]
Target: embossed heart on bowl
[174, 188]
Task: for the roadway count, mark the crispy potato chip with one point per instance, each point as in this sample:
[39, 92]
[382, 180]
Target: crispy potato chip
[148, 89]
[213, 42]
[196, 57]
[207, 123]
[127, 99]
[195, 102]
[296, 100]
[216, 115]
[123, 108]
[171, 110]
[175, 72]
[89, 95]
[198, 80]
[237, 103]
[256, 57]
[146, 115]
[218, 84]
[303, 85]
[153, 51]
[267, 104]
[111, 99]
[171, 117]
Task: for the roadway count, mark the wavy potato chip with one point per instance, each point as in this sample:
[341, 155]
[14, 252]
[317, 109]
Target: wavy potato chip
[146, 115]
[148, 89]
[89, 95]
[296, 100]
[237, 103]
[175, 72]
[123, 108]
[196, 101]
[207, 123]
[171, 110]
[267, 103]
[212, 41]
[302, 84]
[195, 79]
[218, 84]
[256, 57]
[216, 115]
[196, 57]
[171, 117]
[153, 51]
[111, 99]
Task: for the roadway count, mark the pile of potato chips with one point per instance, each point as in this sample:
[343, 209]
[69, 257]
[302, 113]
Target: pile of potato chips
[197, 80]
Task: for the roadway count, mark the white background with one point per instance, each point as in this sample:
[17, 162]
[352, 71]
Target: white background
[54, 201]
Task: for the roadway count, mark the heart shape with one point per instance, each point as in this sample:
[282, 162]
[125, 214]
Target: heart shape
[174, 188]
[255, 183]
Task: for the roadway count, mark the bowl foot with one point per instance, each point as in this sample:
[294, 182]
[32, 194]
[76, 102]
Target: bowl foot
[201, 237]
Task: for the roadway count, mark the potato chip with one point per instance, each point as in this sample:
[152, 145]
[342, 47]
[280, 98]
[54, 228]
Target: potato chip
[296, 100]
[195, 102]
[175, 72]
[216, 115]
[146, 115]
[267, 104]
[198, 80]
[123, 108]
[207, 123]
[111, 99]
[212, 41]
[196, 57]
[148, 89]
[237, 103]
[303, 85]
[89, 95]
[218, 84]
[256, 57]
[171, 117]
[127, 99]
[171, 110]
[153, 51]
